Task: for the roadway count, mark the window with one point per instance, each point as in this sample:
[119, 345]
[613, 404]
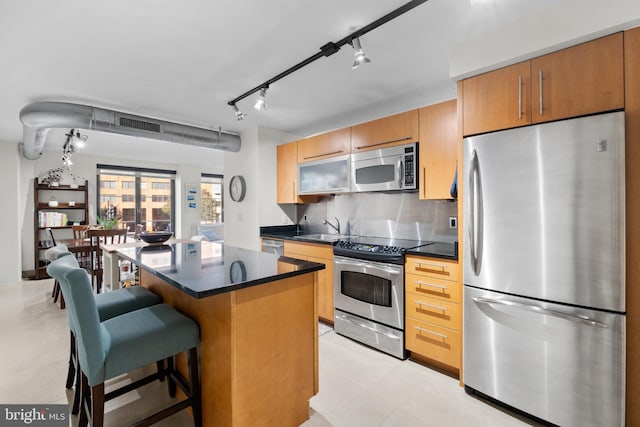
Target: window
[142, 196]
[156, 198]
[160, 186]
[211, 187]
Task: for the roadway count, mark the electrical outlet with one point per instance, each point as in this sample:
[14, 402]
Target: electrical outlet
[453, 222]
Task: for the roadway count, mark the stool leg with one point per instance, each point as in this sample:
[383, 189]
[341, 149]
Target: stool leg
[72, 366]
[84, 406]
[194, 380]
[170, 381]
[97, 405]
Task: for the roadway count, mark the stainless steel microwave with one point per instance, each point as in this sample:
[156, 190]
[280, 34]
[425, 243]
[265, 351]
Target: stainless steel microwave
[385, 169]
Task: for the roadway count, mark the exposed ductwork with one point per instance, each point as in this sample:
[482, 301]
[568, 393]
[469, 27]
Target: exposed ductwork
[40, 117]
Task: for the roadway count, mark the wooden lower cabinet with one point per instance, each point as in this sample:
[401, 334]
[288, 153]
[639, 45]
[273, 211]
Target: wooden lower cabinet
[322, 254]
[433, 310]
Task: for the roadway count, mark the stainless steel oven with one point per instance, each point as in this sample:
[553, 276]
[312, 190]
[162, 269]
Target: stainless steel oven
[369, 291]
[369, 303]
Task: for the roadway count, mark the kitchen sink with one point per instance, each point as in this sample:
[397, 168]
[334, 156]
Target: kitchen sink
[321, 237]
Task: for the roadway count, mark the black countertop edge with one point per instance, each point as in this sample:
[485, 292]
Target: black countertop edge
[442, 250]
[312, 266]
[431, 254]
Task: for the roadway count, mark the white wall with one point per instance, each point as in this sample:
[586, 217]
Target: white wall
[489, 40]
[10, 215]
[256, 162]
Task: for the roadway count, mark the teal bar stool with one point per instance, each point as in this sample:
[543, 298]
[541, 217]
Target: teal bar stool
[109, 305]
[124, 343]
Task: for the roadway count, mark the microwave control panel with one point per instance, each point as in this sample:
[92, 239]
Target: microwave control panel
[409, 168]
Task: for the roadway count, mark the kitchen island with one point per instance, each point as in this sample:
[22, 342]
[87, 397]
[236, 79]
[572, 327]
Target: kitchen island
[257, 314]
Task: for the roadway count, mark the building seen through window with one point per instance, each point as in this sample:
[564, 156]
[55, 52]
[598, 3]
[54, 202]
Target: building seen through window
[137, 196]
[211, 196]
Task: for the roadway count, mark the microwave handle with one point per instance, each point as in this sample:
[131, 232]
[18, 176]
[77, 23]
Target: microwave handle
[401, 169]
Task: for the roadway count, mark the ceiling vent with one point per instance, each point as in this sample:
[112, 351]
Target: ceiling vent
[40, 117]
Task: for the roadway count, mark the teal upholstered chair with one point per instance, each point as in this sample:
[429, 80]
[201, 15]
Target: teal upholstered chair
[109, 305]
[124, 343]
[52, 254]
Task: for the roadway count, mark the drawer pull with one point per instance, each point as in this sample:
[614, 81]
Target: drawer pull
[438, 334]
[437, 307]
[442, 288]
[436, 267]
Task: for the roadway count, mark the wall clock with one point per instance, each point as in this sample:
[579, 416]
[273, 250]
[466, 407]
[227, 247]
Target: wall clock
[237, 188]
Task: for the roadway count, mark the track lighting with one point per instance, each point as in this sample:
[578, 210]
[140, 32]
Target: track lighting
[326, 50]
[261, 103]
[359, 57]
[74, 140]
[239, 114]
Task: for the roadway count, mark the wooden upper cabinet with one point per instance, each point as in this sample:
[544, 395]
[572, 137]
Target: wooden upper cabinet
[584, 79]
[287, 175]
[438, 149]
[497, 100]
[386, 132]
[330, 144]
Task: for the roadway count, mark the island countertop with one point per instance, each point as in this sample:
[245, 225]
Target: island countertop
[203, 269]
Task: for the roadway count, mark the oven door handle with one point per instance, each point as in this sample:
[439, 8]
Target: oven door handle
[364, 264]
[365, 326]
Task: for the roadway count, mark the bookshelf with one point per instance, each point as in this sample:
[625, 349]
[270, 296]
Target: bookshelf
[59, 218]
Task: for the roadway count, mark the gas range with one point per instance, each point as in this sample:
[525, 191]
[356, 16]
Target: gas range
[379, 249]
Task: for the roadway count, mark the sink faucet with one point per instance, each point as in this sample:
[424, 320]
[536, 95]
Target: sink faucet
[335, 227]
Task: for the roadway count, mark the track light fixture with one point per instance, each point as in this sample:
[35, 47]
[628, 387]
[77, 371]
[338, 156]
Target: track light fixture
[74, 140]
[327, 49]
[359, 57]
[239, 114]
[261, 103]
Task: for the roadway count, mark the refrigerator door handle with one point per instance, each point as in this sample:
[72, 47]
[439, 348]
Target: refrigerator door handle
[536, 309]
[475, 209]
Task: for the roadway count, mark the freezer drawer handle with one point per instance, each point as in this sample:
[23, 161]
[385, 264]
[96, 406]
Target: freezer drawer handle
[438, 334]
[365, 326]
[442, 288]
[437, 307]
[535, 309]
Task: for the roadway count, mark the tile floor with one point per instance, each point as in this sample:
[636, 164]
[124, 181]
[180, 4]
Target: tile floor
[358, 386]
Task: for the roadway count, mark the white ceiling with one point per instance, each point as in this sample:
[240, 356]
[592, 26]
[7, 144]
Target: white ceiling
[182, 61]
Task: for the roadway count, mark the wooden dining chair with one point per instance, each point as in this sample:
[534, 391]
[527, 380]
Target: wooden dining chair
[83, 257]
[96, 238]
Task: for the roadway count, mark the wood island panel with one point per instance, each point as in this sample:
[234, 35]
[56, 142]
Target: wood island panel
[258, 350]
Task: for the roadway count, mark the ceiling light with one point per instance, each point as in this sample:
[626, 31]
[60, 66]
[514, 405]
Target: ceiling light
[261, 103]
[66, 160]
[239, 114]
[359, 57]
[79, 140]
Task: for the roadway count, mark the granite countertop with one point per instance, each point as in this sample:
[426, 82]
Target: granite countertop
[442, 250]
[203, 269]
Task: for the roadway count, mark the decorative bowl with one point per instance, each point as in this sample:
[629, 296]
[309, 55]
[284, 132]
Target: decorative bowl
[155, 236]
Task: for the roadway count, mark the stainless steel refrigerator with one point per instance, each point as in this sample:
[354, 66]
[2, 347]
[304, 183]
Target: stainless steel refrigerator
[544, 269]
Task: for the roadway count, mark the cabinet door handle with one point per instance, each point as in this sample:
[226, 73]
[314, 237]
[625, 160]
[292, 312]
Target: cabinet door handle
[540, 90]
[438, 334]
[404, 138]
[437, 307]
[427, 266]
[323, 154]
[424, 182]
[442, 288]
[519, 97]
